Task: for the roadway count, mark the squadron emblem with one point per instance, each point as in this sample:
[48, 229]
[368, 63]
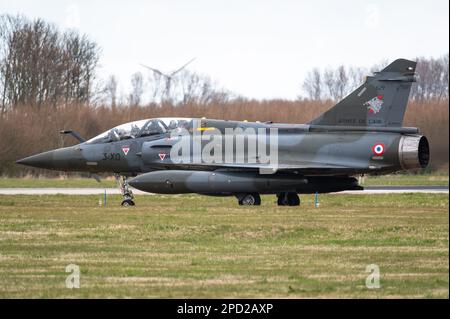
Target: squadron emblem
[374, 105]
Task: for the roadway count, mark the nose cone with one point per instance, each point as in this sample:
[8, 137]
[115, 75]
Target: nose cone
[42, 160]
[59, 159]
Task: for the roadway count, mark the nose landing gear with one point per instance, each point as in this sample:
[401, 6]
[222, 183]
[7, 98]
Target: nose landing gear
[127, 194]
[249, 199]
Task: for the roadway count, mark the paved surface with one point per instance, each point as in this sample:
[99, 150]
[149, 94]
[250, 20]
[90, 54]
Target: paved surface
[400, 189]
[112, 191]
[64, 191]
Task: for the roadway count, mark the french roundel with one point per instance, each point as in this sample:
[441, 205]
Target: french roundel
[378, 149]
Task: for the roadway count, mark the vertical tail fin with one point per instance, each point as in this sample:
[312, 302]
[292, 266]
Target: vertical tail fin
[380, 101]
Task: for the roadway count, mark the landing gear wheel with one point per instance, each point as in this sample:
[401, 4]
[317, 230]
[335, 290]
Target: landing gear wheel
[250, 199]
[293, 199]
[288, 199]
[127, 194]
[127, 202]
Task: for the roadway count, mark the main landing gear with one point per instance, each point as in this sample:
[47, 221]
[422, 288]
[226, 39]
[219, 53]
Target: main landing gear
[288, 199]
[284, 199]
[127, 193]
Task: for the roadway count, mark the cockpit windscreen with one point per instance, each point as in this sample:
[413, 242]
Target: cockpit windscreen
[142, 128]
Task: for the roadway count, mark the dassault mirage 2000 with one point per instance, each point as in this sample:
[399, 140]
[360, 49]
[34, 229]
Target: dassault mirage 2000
[362, 134]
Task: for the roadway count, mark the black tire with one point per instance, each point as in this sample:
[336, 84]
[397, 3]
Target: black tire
[127, 202]
[282, 200]
[251, 199]
[293, 199]
[288, 199]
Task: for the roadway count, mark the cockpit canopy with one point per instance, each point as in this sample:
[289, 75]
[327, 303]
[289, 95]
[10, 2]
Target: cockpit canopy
[142, 128]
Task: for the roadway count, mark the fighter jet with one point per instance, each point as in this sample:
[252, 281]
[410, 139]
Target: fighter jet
[362, 134]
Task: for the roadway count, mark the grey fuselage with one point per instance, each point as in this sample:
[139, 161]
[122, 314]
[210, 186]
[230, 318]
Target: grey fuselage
[311, 158]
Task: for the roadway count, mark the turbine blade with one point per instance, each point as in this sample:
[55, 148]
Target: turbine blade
[176, 71]
[155, 70]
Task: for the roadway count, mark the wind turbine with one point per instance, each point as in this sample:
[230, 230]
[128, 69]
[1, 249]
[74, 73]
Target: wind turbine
[168, 76]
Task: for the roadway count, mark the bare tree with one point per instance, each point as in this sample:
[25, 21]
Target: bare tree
[357, 76]
[40, 65]
[329, 83]
[186, 87]
[313, 84]
[444, 94]
[432, 83]
[341, 82]
[432, 79]
[190, 87]
[111, 90]
[137, 88]
[79, 63]
[156, 87]
[197, 88]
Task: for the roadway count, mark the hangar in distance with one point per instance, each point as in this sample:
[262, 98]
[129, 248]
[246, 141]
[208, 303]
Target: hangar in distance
[362, 134]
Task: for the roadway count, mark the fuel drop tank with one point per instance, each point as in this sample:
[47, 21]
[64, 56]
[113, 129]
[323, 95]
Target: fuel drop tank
[214, 182]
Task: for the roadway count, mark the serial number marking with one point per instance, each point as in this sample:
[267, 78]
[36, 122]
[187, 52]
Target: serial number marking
[111, 156]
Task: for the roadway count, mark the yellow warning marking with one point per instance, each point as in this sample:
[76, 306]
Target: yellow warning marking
[205, 128]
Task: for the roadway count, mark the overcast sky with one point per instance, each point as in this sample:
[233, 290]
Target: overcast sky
[261, 49]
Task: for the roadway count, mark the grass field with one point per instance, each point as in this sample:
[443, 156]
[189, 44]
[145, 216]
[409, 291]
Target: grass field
[198, 246]
[74, 182]
[406, 180]
[388, 180]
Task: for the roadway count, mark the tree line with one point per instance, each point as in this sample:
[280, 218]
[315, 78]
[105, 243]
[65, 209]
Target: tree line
[335, 84]
[186, 87]
[39, 65]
